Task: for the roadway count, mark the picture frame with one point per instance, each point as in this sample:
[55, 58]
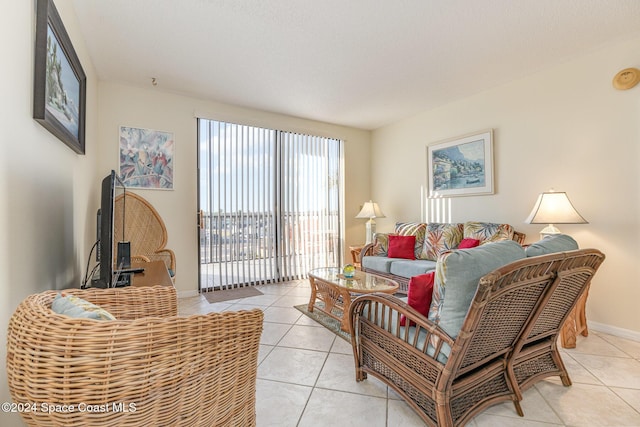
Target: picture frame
[461, 166]
[59, 95]
[146, 158]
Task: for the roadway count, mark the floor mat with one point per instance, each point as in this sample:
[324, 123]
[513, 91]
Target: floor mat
[231, 294]
[328, 322]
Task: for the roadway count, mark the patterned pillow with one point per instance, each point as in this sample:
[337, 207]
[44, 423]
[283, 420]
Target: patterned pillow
[417, 229]
[440, 238]
[381, 244]
[487, 231]
[72, 306]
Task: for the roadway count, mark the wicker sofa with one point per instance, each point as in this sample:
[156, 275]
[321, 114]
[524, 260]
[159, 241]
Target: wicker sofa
[150, 367]
[453, 364]
[431, 240]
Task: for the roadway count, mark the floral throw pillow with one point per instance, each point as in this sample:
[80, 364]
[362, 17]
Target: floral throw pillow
[488, 232]
[439, 239]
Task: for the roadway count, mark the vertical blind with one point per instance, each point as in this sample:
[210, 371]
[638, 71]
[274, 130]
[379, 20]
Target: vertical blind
[269, 204]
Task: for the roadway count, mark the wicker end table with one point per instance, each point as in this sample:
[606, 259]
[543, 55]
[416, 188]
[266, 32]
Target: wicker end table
[335, 291]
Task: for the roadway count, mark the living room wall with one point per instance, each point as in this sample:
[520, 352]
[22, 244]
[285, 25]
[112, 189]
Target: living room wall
[155, 108]
[563, 127]
[48, 193]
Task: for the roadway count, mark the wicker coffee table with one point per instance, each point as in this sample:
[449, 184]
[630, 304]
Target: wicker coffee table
[331, 287]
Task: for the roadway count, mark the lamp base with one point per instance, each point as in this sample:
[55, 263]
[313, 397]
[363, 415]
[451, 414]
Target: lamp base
[549, 230]
[370, 227]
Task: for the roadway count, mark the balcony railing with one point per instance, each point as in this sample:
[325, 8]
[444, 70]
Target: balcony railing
[246, 247]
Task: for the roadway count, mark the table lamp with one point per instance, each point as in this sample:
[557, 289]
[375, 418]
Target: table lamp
[370, 210]
[554, 208]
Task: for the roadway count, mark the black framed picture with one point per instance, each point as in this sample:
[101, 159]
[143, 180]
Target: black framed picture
[59, 94]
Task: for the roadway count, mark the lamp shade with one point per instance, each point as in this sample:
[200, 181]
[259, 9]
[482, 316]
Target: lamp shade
[554, 208]
[370, 210]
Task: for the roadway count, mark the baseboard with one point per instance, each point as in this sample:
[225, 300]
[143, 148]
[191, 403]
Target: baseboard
[614, 330]
[187, 294]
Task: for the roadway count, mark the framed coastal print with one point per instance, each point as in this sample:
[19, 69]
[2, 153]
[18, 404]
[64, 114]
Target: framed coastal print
[59, 93]
[146, 158]
[461, 166]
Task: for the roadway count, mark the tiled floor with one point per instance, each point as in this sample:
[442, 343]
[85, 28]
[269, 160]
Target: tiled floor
[306, 376]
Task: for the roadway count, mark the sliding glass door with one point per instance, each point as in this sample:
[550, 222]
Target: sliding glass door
[269, 204]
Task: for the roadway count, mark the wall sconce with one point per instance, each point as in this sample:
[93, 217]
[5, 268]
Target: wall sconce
[370, 210]
[554, 208]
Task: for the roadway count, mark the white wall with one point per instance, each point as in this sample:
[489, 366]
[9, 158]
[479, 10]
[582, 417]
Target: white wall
[156, 109]
[48, 194]
[565, 128]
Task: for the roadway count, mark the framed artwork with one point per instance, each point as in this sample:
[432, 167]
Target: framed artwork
[146, 158]
[461, 166]
[59, 93]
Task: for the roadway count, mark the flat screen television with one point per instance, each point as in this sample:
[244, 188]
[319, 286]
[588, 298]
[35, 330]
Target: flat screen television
[107, 245]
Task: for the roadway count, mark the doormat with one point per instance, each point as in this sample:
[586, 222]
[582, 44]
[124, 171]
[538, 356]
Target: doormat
[328, 322]
[231, 294]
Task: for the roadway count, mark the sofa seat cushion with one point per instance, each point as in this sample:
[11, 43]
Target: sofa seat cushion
[551, 244]
[410, 336]
[408, 269]
[487, 232]
[457, 275]
[378, 263]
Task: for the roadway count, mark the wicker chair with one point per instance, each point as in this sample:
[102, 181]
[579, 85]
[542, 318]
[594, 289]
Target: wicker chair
[447, 381]
[148, 368]
[144, 228]
[536, 354]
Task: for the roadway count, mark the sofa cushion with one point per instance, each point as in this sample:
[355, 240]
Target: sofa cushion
[457, 276]
[402, 247]
[378, 263]
[390, 323]
[468, 243]
[412, 229]
[551, 244]
[381, 244]
[440, 238]
[487, 231]
[419, 295]
[408, 269]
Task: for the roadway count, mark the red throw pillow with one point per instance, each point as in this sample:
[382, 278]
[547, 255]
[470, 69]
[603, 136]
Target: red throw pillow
[468, 243]
[419, 295]
[402, 247]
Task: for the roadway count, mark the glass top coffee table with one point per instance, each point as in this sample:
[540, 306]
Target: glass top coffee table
[335, 290]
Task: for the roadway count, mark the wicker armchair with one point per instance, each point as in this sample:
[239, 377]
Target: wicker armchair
[145, 230]
[148, 368]
[447, 381]
[536, 354]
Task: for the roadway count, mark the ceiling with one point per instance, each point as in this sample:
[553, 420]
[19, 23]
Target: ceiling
[359, 63]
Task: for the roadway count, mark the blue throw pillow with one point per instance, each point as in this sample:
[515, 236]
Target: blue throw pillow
[457, 275]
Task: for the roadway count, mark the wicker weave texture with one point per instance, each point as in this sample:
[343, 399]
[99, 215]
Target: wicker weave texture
[507, 341]
[152, 368]
[144, 228]
[536, 355]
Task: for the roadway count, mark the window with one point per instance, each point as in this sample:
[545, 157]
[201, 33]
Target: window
[269, 204]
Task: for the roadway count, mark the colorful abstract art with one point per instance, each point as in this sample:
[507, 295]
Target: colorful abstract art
[146, 158]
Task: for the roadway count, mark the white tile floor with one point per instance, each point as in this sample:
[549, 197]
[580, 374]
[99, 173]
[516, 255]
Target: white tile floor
[306, 376]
